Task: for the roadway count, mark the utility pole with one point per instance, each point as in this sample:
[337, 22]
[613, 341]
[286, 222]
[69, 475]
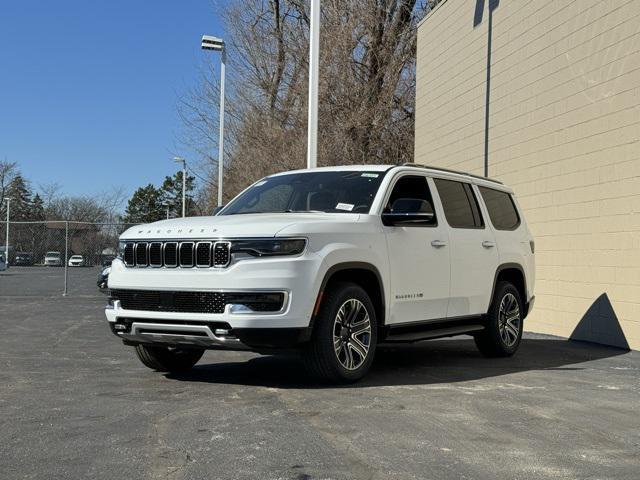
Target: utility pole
[314, 59]
[184, 182]
[6, 243]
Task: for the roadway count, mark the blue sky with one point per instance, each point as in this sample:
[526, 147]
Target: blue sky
[88, 89]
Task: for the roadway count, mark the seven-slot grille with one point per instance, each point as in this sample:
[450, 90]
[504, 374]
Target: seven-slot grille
[177, 254]
[197, 302]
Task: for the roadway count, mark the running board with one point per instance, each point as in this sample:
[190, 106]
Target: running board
[431, 330]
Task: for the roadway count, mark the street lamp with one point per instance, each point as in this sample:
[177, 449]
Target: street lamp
[184, 181]
[314, 60]
[6, 243]
[217, 44]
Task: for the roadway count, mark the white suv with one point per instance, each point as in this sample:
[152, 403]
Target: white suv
[330, 262]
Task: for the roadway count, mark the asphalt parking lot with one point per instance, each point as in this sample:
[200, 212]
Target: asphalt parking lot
[76, 403]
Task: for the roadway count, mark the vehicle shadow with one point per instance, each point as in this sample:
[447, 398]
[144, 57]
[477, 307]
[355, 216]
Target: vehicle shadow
[425, 363]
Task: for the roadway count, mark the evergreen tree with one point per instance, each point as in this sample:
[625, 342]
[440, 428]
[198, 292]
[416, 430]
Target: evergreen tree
[20, 195]
[172, 194]
[37, 208]
[146, 205]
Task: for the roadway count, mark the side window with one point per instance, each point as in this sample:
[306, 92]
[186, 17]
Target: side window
[459, 203]
[408, 189]
[501, 208]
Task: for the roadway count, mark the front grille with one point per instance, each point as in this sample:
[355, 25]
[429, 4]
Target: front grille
[177, 254]
[155, 254]
[197, 302]
[142, 259]
[221, 254]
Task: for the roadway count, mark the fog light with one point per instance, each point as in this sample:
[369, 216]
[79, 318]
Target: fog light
[239, 308]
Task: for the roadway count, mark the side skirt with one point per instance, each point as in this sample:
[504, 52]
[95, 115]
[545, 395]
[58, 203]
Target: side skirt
[416, 331]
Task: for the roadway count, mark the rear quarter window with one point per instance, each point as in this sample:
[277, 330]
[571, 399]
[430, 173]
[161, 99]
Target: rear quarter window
[502, 210]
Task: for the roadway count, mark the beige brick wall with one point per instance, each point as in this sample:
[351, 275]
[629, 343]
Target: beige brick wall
[564, 132]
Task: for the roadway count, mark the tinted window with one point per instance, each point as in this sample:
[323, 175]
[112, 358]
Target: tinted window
[502, 210]
[412, 188]
[459, 203]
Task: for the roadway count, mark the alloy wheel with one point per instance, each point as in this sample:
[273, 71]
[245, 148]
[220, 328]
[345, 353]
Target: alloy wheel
[352, 334]
[509, 321]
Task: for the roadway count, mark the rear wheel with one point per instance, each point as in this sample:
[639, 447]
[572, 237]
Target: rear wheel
[502, 335]
[168, 359]
[344, 337]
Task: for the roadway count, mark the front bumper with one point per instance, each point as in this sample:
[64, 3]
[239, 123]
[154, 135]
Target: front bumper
[236, 330]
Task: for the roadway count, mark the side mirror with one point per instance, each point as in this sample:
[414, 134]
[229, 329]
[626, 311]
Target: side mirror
[409, 211]
[217, 209]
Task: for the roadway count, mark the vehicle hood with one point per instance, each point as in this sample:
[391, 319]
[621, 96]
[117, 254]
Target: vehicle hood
[232, 226]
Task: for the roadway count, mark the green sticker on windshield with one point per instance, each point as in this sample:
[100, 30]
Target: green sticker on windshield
[370, 175]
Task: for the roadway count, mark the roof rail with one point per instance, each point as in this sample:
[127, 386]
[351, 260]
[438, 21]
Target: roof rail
[448, 170]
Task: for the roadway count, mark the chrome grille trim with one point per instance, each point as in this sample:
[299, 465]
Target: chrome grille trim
[129, 254]
[152, 247]
[142, 251]
[186, 246]
[221, 254]
[205, 246]
[174, 246]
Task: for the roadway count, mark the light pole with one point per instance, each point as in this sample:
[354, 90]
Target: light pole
[184, 181]
[217, 44]
[6, 243]
[314, 59]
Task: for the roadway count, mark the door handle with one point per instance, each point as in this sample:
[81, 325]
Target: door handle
[438, 243]
[488, 244]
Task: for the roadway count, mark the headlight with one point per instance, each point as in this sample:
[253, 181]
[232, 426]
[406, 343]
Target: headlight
[120, 252]
[270, 247]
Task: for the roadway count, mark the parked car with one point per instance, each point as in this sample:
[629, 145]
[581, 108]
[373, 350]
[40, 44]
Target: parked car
[24, 259]
[103, 279]
[77, 261]
[330, 262]
[3, 263]
[53, 259]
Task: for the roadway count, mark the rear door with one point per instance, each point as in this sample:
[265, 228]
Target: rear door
[418, 258]
[474, 255]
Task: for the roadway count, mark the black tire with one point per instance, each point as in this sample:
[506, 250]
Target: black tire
[498, 339]
[322, 359]
[165, 359]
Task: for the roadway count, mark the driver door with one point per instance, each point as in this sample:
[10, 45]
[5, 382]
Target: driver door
[418, 258]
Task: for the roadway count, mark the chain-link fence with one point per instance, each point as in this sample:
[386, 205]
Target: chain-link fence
[56, 257]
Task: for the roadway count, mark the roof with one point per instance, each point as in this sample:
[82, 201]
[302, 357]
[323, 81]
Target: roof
[437, 171]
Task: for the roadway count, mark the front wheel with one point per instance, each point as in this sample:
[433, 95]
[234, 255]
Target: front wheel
[503, 332]
[344, 337]
[167, 359]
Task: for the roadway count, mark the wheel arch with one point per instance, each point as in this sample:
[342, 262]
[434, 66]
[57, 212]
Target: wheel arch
[364, 274]
[514, 274]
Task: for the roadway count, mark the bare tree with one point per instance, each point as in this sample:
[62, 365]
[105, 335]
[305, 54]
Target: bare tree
[8, 172]
[367, 85]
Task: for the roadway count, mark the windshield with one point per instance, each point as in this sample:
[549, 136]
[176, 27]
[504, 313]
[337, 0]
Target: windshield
[334, 192]
[53, 254]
